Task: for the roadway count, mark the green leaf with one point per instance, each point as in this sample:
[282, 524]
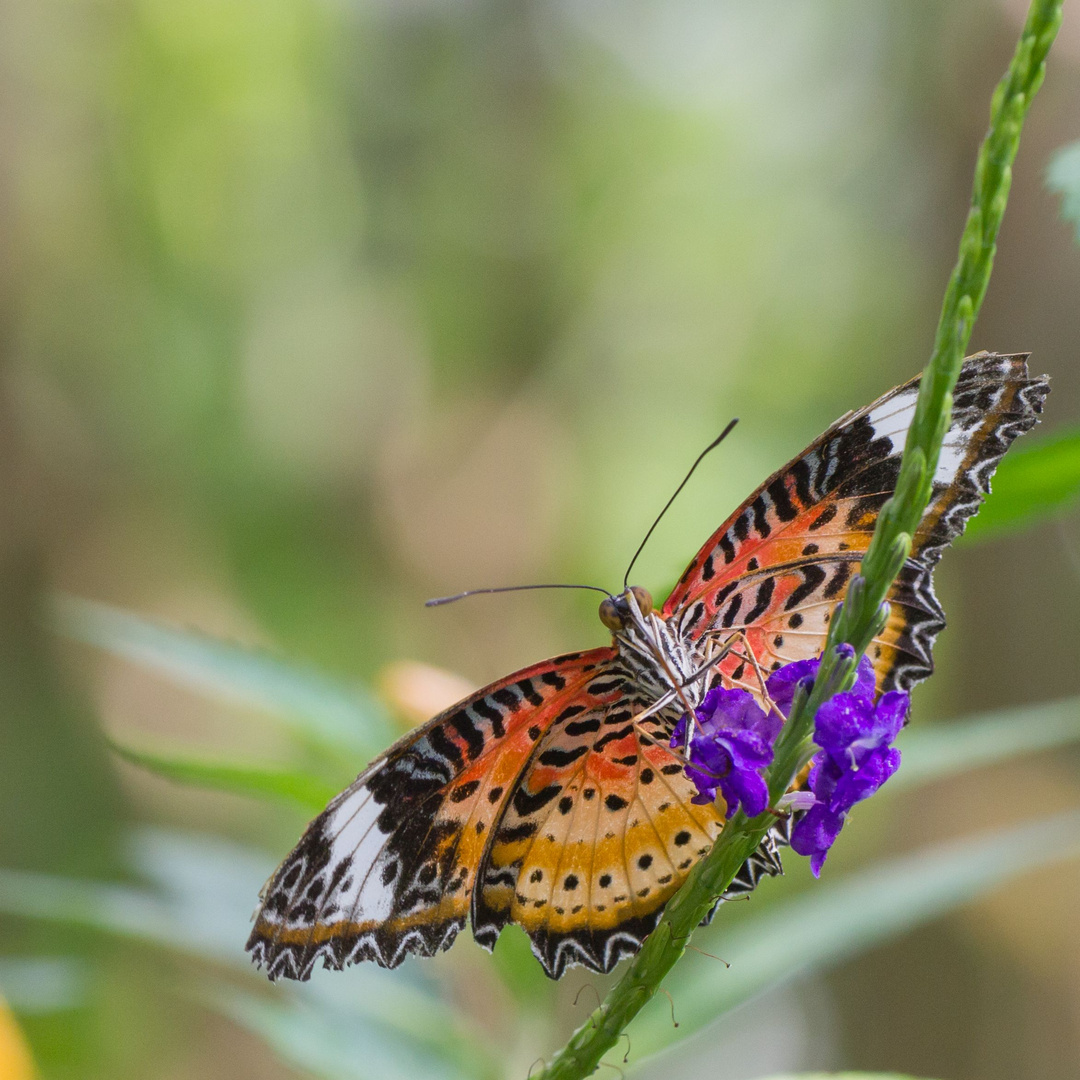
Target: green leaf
[313, 705]
[119, 909]
[837, 920]
[1063, 178]
[309, 791]
[203, 891]
[1033, 482]
[330, 1043]
[200, 903]
[930, 753]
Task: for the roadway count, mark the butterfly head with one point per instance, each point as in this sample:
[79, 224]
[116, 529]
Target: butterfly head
[626, 609]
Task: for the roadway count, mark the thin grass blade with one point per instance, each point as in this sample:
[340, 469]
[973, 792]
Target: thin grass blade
[313, 705]
[843, 1076]
[297, 787]
[38, 985]
[1063, 177]
[324, 1042]
[931, 753]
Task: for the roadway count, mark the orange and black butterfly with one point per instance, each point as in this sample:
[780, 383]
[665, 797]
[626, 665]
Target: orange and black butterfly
[551, 798]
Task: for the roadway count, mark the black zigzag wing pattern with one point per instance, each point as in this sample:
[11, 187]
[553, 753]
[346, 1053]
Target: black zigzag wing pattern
[995, 401]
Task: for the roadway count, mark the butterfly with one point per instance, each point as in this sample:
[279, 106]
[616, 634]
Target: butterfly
[551, 798]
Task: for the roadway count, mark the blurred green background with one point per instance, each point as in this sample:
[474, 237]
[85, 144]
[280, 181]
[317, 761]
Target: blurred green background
[312, 310]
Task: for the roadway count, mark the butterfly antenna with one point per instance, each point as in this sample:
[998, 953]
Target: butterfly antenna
[700, 458]
[439, 600]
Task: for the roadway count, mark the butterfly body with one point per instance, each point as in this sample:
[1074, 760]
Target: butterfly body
[552, 798]
[662, 665]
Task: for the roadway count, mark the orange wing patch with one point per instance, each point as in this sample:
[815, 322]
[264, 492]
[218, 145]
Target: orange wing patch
[598, 835]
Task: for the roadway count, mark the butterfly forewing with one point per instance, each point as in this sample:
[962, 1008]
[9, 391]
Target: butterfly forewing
[777, 567]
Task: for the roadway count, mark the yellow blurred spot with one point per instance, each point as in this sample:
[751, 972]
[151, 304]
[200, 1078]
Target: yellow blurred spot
[416, 692]
[15, 1060]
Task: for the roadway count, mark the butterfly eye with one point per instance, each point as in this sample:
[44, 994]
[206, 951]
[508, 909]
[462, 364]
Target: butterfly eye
[643, 598]
[610, 615]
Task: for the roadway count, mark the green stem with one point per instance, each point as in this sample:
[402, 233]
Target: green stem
[863, 610]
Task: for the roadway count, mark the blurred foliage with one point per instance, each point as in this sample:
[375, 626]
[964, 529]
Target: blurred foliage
[842, 1076]
[311, 311]
[315, 708]
[1063, 177]
[1033, 481]
[307, 791]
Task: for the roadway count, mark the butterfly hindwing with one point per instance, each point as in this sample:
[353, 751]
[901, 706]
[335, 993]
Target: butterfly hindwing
[777, 567]
[598, 833]
[388, 868]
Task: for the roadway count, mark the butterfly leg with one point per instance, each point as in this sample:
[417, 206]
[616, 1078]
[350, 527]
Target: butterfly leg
[715, 658]
[747, 657]
[666, 699]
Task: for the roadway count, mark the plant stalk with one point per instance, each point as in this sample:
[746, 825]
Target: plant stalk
[865, 606]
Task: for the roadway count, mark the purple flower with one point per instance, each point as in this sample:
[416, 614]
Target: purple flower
[783, 683]
[856, 757]
[732, 743]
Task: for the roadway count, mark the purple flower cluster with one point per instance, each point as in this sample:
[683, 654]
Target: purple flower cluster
[855, 735]
[732, 744]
